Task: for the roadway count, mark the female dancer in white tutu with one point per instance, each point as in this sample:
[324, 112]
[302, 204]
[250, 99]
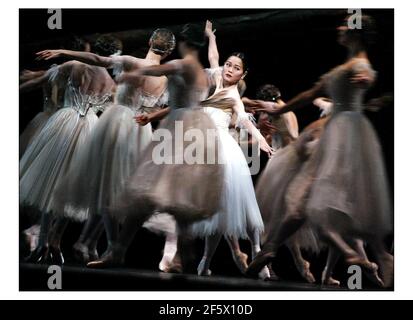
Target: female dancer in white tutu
[57, 147]
[166, 181]
[342, 188]
[117, 143]
[238, 215]
[50, 104]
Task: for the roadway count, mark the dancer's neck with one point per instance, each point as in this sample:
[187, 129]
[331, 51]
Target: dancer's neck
[153, 56]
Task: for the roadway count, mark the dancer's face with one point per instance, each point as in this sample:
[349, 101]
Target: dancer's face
[233, 70]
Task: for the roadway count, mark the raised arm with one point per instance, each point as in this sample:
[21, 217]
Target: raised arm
[166, 69]
[86, 57]
[213, 55]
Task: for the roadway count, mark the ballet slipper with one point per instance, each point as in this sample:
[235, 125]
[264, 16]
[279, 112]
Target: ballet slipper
[370, 269]
[304, 270]
[264, 274]
[259, 262]
[328, 279]
[203, 270]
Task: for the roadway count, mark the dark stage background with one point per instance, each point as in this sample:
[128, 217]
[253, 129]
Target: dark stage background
[289, 48]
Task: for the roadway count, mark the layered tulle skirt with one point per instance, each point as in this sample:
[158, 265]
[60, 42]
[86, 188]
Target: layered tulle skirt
[32, 130]
[238, 210]
[50, 156]
[98, 176]
[271, 191]
[350, 191]
[179, 171]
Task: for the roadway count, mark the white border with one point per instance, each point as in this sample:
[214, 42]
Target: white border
[403, 155]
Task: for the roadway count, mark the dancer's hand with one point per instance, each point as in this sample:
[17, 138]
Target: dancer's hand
[143, 119]
[325, 105]
[49, 54]
[266, 127]
[208, 29]
[264, 146]
[269, 107]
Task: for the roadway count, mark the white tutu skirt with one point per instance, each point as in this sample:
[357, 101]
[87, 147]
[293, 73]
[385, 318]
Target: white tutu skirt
[32, 130]
[238, 211]
[108, 158]
[50, 155]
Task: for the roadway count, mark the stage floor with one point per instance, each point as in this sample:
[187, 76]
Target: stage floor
[35, 277]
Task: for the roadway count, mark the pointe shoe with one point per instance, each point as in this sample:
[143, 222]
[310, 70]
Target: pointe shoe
[373, 275]
[240, 260]
[304, 270]
[202, 270]
[55, 256]
[264, 274]
[329, 280]
[175, 265]
[370, 269]
[38, 255]
[259, 262]
[110, 259]
[273, 275]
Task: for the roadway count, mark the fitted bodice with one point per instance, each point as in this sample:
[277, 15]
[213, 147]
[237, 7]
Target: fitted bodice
[138, 100]
[346, 95]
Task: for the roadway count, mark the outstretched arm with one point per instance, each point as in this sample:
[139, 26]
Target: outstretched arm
[156, 71]
[34, 83]
[213, 55]
[27, 75]
[298, 101]
[86, 57]
[144, 119]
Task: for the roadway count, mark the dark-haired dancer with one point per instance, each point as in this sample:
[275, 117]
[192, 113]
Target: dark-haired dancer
[348, 197]
[238, 215]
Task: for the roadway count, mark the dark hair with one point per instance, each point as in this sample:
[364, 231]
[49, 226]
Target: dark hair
[193, 35]
[75, 43]
[268, 92]
[368, 32]
[162, 41]
[106, 45]
[241, 56]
